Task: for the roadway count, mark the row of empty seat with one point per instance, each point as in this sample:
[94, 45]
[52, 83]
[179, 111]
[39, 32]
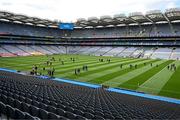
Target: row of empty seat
[28, 97]
[136, 52]
[26, 50]
[130, 31]
[121, 31]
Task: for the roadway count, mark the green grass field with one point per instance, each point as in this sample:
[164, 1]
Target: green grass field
[149, 79]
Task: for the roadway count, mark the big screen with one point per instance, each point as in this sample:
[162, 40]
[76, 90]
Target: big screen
[66, 26]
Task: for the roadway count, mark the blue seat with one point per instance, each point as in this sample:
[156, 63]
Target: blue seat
[16, 97]
[19, 114]
[10, 111]
[99, 113]
[34, 110]
[80, 117]
[25, 107]
[47, 102]
[29, 101]
[70, 109]
[60, 112]
[78, 112]
[70, 115]
[17, 104]
[11, 101]
[98, 117]
[21, 98]
[108, 116]
[3, 108]
[51, 109]
[43, 106]
[35, 103]
[4, 99]
[88, 115]
[43, 114]
[53, 116]
[61, 106]
[53, 103]
[28, 116]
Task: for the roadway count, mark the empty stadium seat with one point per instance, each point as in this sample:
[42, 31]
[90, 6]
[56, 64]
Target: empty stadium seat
[25, 97]
[19, 114]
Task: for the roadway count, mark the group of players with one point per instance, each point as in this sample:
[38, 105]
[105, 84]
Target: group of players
[48, 67]
[102, 60]
[136, 66]
[85, 67]
[172, 67]
[50, 71]
[78, 70]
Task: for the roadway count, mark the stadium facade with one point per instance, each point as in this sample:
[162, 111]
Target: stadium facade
[154, 35]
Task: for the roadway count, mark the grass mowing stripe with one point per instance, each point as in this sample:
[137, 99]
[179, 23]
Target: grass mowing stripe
[171, 88]
[32, 58]
[24, 67]
[80, 65]
[140, 79]
[22, 59]
[156, 82]
[90, 66]
[129, 75]
[112, 76]
[13, 61]
[99, 69]
[58, 65]
[64, 68]
[102, 73]
[114, 73]
[28, 67]
[18, 65]
[96, 70]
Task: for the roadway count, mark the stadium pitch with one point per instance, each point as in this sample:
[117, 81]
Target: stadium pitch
[153, 76]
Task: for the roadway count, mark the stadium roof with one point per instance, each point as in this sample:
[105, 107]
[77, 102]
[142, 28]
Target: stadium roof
[16, 18]
[153, 17]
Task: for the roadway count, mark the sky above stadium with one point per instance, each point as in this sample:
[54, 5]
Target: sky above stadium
[71, 10]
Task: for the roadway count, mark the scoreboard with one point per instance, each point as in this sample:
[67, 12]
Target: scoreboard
[66, 26]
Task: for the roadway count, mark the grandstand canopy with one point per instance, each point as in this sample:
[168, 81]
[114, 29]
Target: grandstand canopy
[93, 21]
[173, 14]
[153, 16]
[11, 17]
[138, 17]
[156, 16]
